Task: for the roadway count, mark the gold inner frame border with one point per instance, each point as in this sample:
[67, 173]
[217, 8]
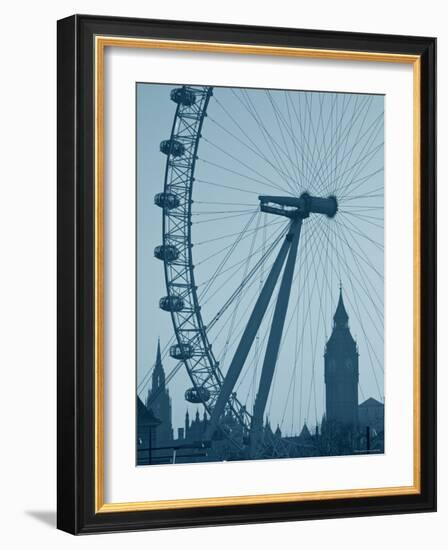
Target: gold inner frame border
[100, 44]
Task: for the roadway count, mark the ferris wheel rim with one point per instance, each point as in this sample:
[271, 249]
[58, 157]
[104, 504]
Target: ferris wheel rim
[214, 376]
[343, 161]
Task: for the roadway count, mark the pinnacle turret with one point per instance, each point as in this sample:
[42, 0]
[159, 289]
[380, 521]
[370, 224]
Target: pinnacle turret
[341, 316]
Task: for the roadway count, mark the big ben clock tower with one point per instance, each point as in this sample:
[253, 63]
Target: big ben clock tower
[341, 372]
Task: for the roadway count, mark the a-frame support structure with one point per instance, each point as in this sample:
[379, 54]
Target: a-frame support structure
[297, 209]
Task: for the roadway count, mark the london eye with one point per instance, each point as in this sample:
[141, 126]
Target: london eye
[272, 201]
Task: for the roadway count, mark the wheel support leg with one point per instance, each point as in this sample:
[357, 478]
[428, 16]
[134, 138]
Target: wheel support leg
[275, 336]
[251, 329]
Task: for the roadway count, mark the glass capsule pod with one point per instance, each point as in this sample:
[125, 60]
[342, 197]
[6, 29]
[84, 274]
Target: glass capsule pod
[166, 200]
[197, 395]
[181, 351]
[171, 303]
[166, 252]
[183, 96]
[172, 147]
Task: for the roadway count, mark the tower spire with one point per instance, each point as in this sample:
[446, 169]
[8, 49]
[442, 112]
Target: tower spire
[340, 316]
[158, 375]
[159, 355]
[341, 371]
[159, 399]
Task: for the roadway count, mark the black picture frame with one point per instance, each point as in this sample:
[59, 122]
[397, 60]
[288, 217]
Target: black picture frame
[76, 300]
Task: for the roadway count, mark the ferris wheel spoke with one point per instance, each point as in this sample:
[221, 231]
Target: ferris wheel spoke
[292, 137]
[221, 203]
[235, 267]
[363, 158]
[359, 281]
[335, 158]
[322, 168]
[346, 204]
[308, 105]
[364, 181]
[342, 142]
[226, 186]
[268, 142]
[362, 207]
[363, 216]
[230, 216]
[357, 120]
[143, 383]
[364, 219]
[249, 281]
[220, 251]
[245, 177]
[369, 194]
[248, 232]
[268, 313]
[228, 212]
[291, 125]
[237, 302]
[274, 148]
[229, 252]
[247, 138]
[298, 311]
[282, 122]
[362, 163]
[354, 230]
[276, 238]
[359, 253]
[357, 299]
[249, 299]
[363, 281]
[374, 359]
[269, 317]
[355, 141]
[255, 150]
[315, 162]
[313, 252]
[306, 289]
[302, 127]
[314, 341]
[268, 182]
[341, 135]
[371, 355]
[319, 269]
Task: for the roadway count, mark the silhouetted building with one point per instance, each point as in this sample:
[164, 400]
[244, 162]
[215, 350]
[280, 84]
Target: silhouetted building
[147, 425]
[371, 413]
[159, 402]
[346, 428]
[195, 430]
[305, 434]
[341, 373]
[142, 424]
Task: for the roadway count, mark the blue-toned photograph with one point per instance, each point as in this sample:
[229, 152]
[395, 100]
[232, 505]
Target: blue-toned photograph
[260, 274]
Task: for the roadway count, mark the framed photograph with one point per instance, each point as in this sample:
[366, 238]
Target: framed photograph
[246, 274]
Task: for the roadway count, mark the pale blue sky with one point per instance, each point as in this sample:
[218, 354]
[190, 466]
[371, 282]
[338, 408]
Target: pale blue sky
[257, 142]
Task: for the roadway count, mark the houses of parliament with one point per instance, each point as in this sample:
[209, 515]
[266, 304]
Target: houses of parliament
[347, 427]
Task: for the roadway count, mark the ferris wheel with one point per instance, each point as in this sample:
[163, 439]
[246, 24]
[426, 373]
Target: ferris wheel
[271, 200]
